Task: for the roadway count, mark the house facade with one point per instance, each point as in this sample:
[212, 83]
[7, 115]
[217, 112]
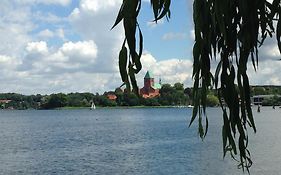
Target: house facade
[150, 88]
[258, 99]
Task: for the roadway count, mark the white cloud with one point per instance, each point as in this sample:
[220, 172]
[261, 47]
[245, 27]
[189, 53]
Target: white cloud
[8, 63]
[70, 57]
[80, 52]
[269, 51]
[60, 2]
[192, 34]
[47, 17]
[98, 5]
[70, 68]
[170, 71]
[268, 73]
[60, 33]
[174, 36]
[47, 2]
[89, 62]
[176, 70]
[93, 20]
[45, 34]
[15, 24]
[37, 47]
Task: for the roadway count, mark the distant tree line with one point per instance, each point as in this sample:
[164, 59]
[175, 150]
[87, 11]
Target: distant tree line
[265, 90]
[274, 91]
[170, 95]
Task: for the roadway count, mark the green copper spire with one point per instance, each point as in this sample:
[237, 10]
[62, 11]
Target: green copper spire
[148, 75]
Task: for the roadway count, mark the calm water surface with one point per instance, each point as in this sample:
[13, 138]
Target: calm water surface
[128, 141]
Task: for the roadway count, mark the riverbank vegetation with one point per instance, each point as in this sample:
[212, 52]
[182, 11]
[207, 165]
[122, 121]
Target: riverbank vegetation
[170, 95]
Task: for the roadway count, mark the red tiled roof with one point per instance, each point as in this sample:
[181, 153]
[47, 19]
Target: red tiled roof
[5, 101]
[111, 97]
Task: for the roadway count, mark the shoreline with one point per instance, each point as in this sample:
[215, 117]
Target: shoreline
[118, 107]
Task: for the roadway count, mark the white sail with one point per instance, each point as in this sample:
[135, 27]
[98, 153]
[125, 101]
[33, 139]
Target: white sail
[93, 106]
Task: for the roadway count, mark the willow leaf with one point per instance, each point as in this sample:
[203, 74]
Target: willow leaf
[123, 61]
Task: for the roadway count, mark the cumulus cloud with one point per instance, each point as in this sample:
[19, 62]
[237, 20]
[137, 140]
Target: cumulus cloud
[268, 73]
[170, 71]
[89, 62]
[80, 52]
[269, 50]
[93, 20]
[47, 17]
[8, 63]
[60, 33]
[98, 5]
[47, 2]
[14, 28]
[45, 34]
[60, 2]
[70, 57]
[37, 47]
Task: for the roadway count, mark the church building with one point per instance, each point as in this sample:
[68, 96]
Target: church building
[150, 89]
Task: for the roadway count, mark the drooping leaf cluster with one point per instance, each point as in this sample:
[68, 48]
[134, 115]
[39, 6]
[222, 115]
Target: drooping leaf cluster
[229, 31]
[130, 64]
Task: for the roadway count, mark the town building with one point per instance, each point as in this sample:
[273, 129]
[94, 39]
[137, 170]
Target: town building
[112, 97]
[5, 101]
[150, 88]
[258, 99]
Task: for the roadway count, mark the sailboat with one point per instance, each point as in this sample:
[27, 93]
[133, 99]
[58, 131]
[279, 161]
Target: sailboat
[190, 106]
[93, 106]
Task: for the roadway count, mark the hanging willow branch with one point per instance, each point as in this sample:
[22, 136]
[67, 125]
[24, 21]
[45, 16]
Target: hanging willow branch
[230, 31]
[130, 65]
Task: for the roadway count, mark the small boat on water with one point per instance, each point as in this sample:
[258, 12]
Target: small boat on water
[190, 106]
[93, 106]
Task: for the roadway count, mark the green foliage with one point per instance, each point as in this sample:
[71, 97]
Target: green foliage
[233, 30]
[79, 99]
[212, 100]
[173, 95]
[258, 91]
[131, 99]
[265, 90]
[129, 67]
[19, 101]
[150, 102]
[55, 101]
[272, 101]
[179, 86]
[104, 101]
[230, 31]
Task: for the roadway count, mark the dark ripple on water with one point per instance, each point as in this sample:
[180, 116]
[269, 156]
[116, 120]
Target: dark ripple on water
[126, 141]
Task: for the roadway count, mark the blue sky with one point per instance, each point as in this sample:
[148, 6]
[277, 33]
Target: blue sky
[51, 46]
[179, 42]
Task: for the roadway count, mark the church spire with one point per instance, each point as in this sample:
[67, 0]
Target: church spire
[148, 75]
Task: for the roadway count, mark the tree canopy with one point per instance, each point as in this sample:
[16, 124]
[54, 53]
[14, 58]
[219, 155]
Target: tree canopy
[229, 31]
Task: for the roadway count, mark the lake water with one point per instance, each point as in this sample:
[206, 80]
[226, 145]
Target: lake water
[128, 141]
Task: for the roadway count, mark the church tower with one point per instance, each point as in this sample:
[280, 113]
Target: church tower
[148, 80]
[150, 88]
